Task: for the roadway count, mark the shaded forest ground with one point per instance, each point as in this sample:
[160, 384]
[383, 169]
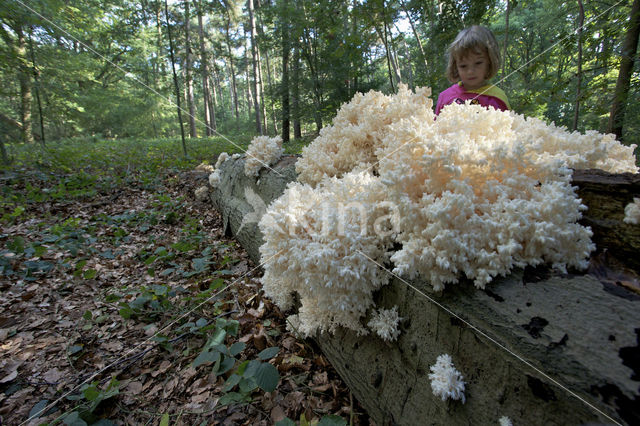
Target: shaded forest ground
[123, 303]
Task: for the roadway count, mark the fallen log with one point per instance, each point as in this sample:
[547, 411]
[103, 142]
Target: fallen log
[537, 346]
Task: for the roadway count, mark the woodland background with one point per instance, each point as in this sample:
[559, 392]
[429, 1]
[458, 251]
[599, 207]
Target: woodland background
[116, 283]
[113, 69]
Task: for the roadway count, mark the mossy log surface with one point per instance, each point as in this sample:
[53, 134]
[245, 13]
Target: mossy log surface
[539, 347]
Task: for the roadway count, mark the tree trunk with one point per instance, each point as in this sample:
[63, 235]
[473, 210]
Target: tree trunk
[415, 34]
[295, 93]
[188, 68]
[3, 154]
[506, 38]
[254, 62]
[248, 93]
[159, 65]
[383, 36]
[37, 90]
[619, 103]
[409, 64]
[24, 77]
[234, 91]
[260, 33]
[284, 84]
[209, 111]
[576, 113]
[270, 85]
[175, 78]
[263, 102]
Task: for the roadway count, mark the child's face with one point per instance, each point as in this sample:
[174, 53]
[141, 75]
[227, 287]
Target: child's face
[473, 68]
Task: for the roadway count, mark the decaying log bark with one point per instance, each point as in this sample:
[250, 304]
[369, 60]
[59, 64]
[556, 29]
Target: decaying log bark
[536, 346]
[606, 195]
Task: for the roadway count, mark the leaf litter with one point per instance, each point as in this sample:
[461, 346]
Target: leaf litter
[97, 295]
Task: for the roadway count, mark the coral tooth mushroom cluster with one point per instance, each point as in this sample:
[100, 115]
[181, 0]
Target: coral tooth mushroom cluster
[472, 194]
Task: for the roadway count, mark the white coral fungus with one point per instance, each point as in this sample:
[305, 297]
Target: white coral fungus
[214, 178]
[262, 152]
[505, 421]
[358, 129]
[201, 193]
[385, 323]
[204, 167]
[446, 381]
[221, 159]
[632, 212]
[319, 243]
[478, 192]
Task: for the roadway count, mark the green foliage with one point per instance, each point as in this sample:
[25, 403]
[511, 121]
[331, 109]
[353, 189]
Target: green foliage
[89, 399]
[248, 376]
[115, 84]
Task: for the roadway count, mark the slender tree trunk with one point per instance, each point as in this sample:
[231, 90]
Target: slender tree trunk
[309, 51]
[188, 68]
[233, 88]
[3, 154]
[506, 39]
[214, 83]
[250, 83]
[317, 98]
[415, 34]
[24, 77]
[395, 61]
[37, 90]
[295, 93]
[255, 65]
[175, 78]
[576, 114]
[260, 32]
[284, 88]
[209, 111]
[619, 103]
[160, 64]
[271, 92]
[262, 90]
[409, 64]
[383, 36]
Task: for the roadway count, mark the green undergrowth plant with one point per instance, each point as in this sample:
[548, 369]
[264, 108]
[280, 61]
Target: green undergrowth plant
[243, 376]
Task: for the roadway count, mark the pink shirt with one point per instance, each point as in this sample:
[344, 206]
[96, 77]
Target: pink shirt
[485, 96]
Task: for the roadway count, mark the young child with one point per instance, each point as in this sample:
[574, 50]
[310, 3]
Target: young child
[474, 58]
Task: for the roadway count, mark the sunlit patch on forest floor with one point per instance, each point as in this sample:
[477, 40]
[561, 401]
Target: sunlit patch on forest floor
[128, 304]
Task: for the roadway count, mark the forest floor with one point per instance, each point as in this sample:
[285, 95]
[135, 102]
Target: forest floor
[126, 304]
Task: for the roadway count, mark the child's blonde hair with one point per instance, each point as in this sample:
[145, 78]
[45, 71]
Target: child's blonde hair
[476, 39]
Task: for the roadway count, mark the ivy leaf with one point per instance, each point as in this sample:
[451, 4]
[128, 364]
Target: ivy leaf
[232, 397]
[73, 419]
[226, 364]
[267, 377]
[269, 353]
[236, 348]
[36, 410]
[91, 393]
[332, 420]
[206, 357]
[233, 380]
